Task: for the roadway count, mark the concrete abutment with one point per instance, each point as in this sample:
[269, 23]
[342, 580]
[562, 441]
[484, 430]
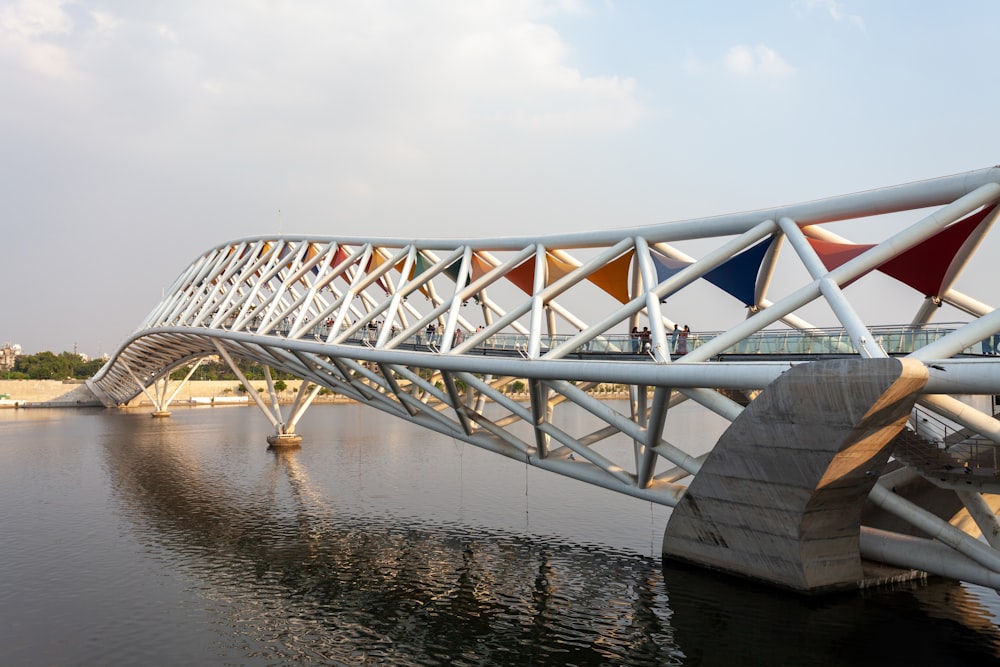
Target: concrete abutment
[780, 497]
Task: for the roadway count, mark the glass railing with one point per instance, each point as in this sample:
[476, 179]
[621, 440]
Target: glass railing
[894, 339]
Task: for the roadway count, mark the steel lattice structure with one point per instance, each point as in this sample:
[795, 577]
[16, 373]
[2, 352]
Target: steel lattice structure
[553, 312]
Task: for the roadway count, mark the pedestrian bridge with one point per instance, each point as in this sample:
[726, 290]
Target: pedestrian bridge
[856, 452]
[777, 343]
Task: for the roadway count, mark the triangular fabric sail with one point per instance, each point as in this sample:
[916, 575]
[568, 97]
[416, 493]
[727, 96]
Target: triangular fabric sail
[556, 269]
[924, 266]
[285, 251]
[834, 254]
[264, 249]
[480, 267]
[376, 260]
[613, 277]
[339, 257]
[420, 265]
[523, 275]
[738, 274]
[230, 251]
[667, 267]
[452, 271]
[311, 252]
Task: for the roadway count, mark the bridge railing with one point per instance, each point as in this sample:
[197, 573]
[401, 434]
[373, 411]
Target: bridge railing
[894, 339]
[949, 448]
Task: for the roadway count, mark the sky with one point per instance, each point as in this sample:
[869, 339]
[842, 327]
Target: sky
[134, 136]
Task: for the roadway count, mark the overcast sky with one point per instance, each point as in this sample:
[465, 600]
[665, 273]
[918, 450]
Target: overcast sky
[135, 135]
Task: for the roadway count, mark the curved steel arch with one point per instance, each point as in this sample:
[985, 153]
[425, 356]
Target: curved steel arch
[354, 315]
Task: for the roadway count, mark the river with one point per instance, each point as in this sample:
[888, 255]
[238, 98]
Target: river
[128, 540]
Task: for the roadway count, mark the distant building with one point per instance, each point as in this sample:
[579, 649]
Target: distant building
[9, 353]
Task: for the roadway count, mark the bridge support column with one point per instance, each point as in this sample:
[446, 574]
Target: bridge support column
[780, 497]
[284, 440]
[161, 401]
[284, 431]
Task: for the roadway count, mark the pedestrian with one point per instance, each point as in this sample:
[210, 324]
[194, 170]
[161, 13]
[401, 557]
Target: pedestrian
[644, 337]
[673, 338]
[635, 340]
[682, 341]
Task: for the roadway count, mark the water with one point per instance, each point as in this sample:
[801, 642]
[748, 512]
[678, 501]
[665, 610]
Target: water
[129, 540]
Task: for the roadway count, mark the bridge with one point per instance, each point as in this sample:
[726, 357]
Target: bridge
[856, 454]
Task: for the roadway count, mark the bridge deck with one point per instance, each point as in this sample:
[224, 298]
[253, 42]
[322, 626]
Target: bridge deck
[781, 343]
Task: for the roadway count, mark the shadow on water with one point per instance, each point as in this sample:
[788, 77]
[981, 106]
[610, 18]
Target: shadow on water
[294, 578]
[722, 620]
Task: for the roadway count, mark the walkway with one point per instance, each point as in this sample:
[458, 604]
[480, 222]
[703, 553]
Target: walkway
[894, 339]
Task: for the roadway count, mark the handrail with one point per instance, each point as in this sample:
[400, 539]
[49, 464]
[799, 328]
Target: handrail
[969, 455]
[894, 339]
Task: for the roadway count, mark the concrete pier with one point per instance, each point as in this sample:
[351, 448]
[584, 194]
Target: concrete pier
[284, 440]
[780, 497]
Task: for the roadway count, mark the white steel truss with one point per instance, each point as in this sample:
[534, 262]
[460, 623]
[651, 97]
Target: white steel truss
[438, 332]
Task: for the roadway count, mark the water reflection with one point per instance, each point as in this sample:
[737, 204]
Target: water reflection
[294, 573]
[721, 620]
[301, 579]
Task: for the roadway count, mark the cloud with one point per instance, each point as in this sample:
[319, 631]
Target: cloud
[28, 31]
[521, 77]
[834, 8]
[759, 61]
[363, 64]
[30, 19]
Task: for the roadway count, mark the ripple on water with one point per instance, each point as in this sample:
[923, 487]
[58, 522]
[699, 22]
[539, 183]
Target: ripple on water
[184, 544]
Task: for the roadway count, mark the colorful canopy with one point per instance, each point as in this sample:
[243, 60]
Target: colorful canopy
[923, 267]
[736, 276]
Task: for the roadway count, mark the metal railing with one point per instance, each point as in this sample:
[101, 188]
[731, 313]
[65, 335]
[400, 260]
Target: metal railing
[938, 446]
[894, 339]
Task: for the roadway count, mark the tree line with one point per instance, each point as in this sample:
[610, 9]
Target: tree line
[51, 366]
[219, 370]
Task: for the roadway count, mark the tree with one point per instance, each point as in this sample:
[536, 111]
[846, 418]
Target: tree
[50, 366]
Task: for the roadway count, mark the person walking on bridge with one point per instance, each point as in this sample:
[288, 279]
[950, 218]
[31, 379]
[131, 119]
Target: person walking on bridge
[682, 341]
[673, 339]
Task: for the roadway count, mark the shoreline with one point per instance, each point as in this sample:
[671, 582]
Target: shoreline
[33, 394]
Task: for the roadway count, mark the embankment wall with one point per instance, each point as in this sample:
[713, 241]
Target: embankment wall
[75, 393]
[55, 393]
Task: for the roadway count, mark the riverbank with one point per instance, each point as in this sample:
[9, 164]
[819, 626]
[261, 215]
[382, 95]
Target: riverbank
[46, 393]
[76, 394]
